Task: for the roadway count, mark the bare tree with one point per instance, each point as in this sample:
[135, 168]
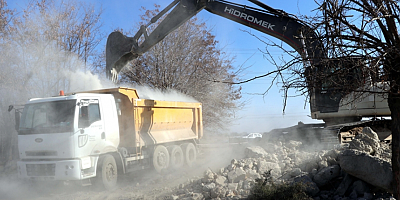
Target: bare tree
[38, 47]
[361, 44]
[188, 60]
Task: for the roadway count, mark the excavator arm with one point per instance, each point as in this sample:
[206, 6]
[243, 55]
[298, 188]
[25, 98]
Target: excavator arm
[121, 49]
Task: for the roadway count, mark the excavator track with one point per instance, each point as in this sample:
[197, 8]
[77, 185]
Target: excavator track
[344, 133]
[333, 135]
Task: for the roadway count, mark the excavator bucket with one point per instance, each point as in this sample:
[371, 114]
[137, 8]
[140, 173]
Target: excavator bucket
[118, 53]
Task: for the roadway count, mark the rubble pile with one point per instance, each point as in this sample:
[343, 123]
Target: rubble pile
[360, 169]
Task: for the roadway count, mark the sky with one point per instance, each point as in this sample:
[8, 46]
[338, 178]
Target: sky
[261, 112]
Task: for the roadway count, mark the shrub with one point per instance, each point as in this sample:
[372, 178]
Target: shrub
[265, 188]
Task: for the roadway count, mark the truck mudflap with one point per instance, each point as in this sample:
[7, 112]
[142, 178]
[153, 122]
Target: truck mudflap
[63, 170]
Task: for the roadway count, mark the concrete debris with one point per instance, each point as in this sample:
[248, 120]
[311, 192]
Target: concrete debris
[360, 170]
[370, 169]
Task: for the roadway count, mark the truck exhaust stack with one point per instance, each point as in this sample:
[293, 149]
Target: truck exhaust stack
[119, 51]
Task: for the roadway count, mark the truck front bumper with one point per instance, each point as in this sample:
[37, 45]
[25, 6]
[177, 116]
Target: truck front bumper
[54, 170]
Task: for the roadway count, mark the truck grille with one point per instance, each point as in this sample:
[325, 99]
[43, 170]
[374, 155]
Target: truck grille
[41, 169]
[41, 153]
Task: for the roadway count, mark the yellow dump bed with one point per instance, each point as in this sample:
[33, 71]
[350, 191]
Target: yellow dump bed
[147, 122]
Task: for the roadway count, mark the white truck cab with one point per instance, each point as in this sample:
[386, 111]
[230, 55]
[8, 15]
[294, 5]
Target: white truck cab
[61, 138]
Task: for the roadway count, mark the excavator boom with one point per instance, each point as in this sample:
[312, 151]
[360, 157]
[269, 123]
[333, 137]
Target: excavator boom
[121, 49]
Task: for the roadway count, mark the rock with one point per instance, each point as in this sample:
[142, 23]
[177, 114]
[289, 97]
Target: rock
[360, 187]
[252, 175]
[326, 174]
[271, 147]
[248, 163]
[370, 169]
[368, 196]
[364, 143]
[344, 185]
[311, 187]
[231, 167]
[370, 133]
[236, 175]
[310, 166]
[220, 180]
[295, 172]
[193, 196]
[255, 152]
[248, 184]
[322, 164]
[233, 186]
[218, 192]
[264, 166]
[208, 187]
[208, 174]
[293, 144]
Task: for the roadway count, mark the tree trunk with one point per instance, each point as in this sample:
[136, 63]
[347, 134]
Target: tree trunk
[392, 64]
[394, 105]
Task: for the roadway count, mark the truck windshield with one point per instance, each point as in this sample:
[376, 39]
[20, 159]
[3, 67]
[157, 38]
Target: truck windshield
[48, 117]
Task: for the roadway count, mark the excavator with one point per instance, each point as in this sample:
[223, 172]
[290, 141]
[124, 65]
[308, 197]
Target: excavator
[336, 108]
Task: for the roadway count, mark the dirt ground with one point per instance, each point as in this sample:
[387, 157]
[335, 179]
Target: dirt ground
[145, 184]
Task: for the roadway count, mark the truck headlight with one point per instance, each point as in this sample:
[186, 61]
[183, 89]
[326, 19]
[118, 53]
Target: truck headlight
[82, 140]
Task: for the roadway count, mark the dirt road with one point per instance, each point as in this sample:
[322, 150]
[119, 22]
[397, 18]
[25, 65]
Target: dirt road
[140, 185]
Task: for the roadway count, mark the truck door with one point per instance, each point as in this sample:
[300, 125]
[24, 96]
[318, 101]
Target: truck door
[91, 126]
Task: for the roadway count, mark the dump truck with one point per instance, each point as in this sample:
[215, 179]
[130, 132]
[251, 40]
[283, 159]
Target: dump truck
[94, 136]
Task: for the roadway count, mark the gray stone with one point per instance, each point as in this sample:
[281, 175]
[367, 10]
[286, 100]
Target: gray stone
[353, 195]
[310, 166]
[326, 174]
[218, 192]
[360, 187]
[323, 164]
[193, 196]
[264, 166]
[255, 152]
[368, 196]
[370, 169]
[293, 144]
[295, 172]
[363, 142]
[231, 167]
[232, 186]
[311, 187]
[236, 175]
[252, 174]
[344, 185]
[220, 180]
[248, 184]
[370, 133]
[208, 187]
[208, 174]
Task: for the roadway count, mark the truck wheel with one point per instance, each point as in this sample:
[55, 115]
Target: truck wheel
[177, 159]
[160, 158]
[190, 154]
[107, 174]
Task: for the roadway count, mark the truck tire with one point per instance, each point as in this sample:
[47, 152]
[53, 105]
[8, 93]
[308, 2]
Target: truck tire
[190, 153]
[176, 157]
[160, 158]
[107, 173]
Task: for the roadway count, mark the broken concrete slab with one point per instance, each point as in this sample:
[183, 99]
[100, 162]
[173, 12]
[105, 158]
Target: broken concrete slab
[370, 169]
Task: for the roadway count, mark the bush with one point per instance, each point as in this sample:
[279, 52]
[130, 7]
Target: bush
[266, 189]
